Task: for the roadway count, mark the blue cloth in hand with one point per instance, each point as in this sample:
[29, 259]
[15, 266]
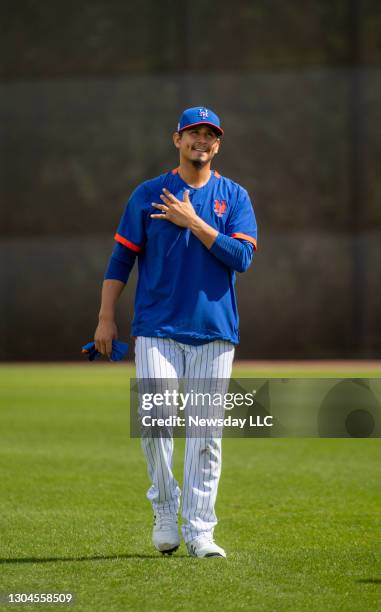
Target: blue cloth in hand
[119, 350]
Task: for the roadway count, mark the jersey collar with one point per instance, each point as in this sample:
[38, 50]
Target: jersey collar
[213, 176]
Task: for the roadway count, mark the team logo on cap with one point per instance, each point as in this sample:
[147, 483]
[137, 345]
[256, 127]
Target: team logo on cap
[203, 112]
[219, 207]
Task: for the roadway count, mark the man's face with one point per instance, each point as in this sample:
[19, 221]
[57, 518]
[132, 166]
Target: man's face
[198, 144]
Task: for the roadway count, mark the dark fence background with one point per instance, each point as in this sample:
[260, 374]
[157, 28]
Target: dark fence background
[90, 94]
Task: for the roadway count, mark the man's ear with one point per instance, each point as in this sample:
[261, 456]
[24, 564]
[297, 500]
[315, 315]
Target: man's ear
[176, 139]
[217, 146]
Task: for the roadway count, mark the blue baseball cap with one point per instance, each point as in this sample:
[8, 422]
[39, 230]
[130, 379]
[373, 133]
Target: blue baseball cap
[197, 116]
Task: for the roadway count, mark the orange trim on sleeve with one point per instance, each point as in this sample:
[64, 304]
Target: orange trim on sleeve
[241, 236]
[217, 174]
[127, 243]
[175, 170]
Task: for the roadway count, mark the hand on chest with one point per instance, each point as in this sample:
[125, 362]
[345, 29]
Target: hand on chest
[213, 208]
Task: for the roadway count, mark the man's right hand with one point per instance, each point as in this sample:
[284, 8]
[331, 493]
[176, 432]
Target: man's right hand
[105, 333]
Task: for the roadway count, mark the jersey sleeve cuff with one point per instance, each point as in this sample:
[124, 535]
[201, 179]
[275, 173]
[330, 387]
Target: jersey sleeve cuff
[241, 236]
[127, 243]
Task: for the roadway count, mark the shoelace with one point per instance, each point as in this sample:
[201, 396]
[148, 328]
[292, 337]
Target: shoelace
[202, 542]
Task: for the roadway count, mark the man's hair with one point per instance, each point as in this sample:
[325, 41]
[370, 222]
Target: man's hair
[209, 126]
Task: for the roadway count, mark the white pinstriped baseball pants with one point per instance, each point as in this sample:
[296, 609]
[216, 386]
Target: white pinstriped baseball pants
[165, 358]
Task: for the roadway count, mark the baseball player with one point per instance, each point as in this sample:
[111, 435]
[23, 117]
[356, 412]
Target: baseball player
[190, 229]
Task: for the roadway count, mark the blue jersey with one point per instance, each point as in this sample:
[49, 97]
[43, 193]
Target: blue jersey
[185, 292]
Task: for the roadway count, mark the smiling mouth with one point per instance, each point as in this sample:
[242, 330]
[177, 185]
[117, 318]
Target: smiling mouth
[200, 150]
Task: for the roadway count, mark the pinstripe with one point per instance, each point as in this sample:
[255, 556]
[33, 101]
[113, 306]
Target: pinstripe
[152, 362]
[202, 467]
[162, 359]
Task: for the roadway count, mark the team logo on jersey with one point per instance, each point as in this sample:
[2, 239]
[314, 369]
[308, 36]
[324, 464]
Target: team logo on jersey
[220, 207]
[203, 113]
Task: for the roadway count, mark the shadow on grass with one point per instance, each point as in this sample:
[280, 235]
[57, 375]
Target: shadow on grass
[369, 580]
[96, 558]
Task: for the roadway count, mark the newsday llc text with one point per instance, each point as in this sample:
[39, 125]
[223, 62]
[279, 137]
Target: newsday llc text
[196, 421]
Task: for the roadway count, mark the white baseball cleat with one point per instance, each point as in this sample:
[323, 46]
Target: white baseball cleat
[204, 546]
[165, 534]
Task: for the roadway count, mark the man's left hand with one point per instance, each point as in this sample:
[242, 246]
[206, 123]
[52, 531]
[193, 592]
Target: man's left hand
[179, 213]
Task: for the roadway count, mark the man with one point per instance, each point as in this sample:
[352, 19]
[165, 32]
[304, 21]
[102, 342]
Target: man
[190, 230]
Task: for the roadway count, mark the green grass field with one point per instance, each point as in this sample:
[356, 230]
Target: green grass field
[299, 518]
